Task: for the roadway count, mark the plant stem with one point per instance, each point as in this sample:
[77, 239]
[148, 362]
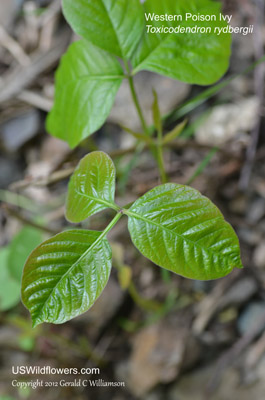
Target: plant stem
[112, 223]
[160, 162]
[160, 158]
[140, 146]
[136, 100]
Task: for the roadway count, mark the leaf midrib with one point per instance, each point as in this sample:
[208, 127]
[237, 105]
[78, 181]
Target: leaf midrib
[98, 200]
[113, 28]
[160, 42]
[195, 244]
[90, 248]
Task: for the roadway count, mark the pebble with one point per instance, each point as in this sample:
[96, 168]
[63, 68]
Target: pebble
[250, 317]
[17, 131]
[225, 122]
[259, 255]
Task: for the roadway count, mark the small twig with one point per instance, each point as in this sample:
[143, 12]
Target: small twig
[230, 356]
[20, 78]
[51, 11]
[255, 353]
[13, 47]
[48, 23]
[63, 174]
[56, 176]
[36, 100]
[210, 304]
[28, 221]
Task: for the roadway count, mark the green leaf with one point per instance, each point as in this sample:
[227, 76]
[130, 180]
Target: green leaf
[207, 94]
[182, 231]
[170, 136]
[200, 58]
[9, 288]
[22, 244]
[113, 25]
[91, 188]
[65, 275]
[86, 84]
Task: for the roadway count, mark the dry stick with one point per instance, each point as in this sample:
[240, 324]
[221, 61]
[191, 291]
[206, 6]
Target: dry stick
[48, 22]
[29, 222]
[36, 100]
[14, 48]
[230, 356]
[211, 303]
[63, 174]
[21, 77]
[259, 90]
[51, 11]
[57, 176]
[255, 353]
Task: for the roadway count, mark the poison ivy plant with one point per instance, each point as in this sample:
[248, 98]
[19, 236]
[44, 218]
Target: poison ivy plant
[173, 225]
[90, 74]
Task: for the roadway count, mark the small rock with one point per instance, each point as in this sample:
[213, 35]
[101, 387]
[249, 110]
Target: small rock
[259, 255]
[240, 292]
[250, 317]
[227, 121]
[159, 353]
[256, 210]
[193, 386]
[238, 205]
[249, 236]
[15, 132]
[11, 171]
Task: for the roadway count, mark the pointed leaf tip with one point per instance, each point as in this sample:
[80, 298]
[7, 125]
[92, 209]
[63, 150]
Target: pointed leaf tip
[120, 28]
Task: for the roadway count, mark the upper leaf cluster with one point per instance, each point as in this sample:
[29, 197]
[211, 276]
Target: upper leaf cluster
[90, 74]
